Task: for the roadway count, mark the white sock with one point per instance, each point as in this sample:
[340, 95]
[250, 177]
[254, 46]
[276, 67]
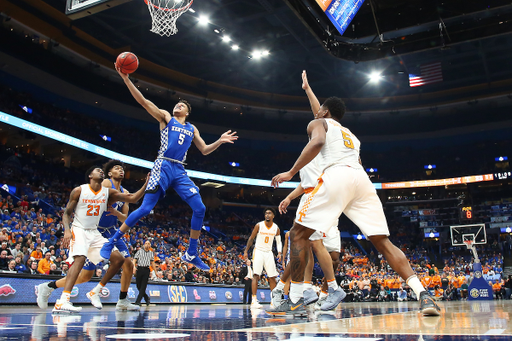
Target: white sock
[254, 298]
[332, 284]
[280, 285]
[415, 285]
[307, 286]
[65, 296]
[322, 295]
[97, 288]
[296, 291]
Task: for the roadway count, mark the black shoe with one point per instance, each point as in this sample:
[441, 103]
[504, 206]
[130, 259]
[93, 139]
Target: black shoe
[428, 306]
[137, 303]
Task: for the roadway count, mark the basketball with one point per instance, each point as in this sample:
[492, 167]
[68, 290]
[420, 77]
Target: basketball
[127, 62]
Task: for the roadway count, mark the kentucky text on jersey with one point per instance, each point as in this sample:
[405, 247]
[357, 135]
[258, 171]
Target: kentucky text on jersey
[175, 140]
[184, 131]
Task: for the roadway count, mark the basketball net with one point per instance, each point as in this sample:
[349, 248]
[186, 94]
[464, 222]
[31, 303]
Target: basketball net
[164, 14]
[468, 243]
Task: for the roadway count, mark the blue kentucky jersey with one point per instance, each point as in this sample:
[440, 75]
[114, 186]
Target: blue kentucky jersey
[111, 220]
[175, 140]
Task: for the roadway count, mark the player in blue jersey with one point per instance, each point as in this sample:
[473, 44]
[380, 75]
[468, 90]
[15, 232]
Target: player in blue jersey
[176, 136]
[107, 226]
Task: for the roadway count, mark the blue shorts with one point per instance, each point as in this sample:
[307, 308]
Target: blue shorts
[108, 232]
[166, 174]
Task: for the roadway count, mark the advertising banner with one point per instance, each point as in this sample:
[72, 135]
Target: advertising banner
[15, 290]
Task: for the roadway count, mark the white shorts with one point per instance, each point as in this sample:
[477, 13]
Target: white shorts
[264, 260]
[343, 189]
[331, 239]
[86, 243]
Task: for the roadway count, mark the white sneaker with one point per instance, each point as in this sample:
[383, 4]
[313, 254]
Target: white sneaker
[95, 299]
[65, 307]
[43, 293]
[255, 304]
[125, 304]
[319, 303]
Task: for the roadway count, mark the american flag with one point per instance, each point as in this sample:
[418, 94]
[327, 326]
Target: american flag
[429, 73]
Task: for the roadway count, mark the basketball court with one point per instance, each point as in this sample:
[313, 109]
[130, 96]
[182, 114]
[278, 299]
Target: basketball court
[489, 320]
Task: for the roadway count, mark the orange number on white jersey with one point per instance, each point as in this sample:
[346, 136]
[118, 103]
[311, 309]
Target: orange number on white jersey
[266, 239]
[90, 209]
[347, 140]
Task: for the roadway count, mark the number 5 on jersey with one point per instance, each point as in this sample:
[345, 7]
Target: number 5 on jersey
[347, 140]
[181, 139]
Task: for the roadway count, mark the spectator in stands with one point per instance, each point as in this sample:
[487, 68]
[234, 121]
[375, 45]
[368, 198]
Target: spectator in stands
[508, 287]
[496, 288]
[44, 265]
[16, 250]
[6, 249]
[4, 261]
[33, 268]
[37, 254]
[402, 295]
[64, 267]
[98, 273]
[54, 270]
[11, 267]
[464, 290]
[20, 267]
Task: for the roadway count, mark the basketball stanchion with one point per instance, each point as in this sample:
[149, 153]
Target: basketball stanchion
[164, 14]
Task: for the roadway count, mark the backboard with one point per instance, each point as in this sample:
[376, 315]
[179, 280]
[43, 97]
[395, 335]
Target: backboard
[474, 232]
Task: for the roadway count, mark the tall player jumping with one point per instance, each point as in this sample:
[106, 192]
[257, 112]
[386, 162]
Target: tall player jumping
[176, 136]
[107, 227]
[262, 256]
[344, 187]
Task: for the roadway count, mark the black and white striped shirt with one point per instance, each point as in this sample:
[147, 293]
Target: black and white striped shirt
[144, 258]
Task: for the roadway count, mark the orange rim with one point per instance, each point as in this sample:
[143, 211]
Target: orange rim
[184, 8]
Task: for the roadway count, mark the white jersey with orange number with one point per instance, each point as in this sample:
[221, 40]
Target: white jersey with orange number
[309, 174]
[265, 237]
[90, 207]
[341, 147]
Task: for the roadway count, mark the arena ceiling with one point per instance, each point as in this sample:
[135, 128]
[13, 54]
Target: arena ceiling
[471, 38]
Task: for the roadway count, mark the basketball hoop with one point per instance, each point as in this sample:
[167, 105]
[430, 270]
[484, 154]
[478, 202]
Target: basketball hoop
[164, 14]
[468, 243]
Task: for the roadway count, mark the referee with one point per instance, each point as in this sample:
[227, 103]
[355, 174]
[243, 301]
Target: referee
[143, 259]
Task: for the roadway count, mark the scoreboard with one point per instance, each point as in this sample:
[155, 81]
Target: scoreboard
[466, 213]
[340, 12]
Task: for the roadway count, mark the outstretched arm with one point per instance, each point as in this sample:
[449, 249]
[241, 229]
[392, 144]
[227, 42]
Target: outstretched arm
[205, 149]
[317, 132]
[161, 116]
[286, 201]
[255, 231]
[66, 217]
[313, 101]
[114, 195]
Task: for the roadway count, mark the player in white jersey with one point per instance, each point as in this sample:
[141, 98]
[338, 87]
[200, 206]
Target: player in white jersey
[344, 187]
[262, 256]
[88, 202]
[309, 175]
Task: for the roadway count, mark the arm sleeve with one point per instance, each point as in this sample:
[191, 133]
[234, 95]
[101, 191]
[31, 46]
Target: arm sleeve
[279, 245]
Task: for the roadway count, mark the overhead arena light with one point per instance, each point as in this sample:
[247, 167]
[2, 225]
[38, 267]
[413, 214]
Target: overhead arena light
[235, 47]
[226, 39]
[203, 20]
[375, 77]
